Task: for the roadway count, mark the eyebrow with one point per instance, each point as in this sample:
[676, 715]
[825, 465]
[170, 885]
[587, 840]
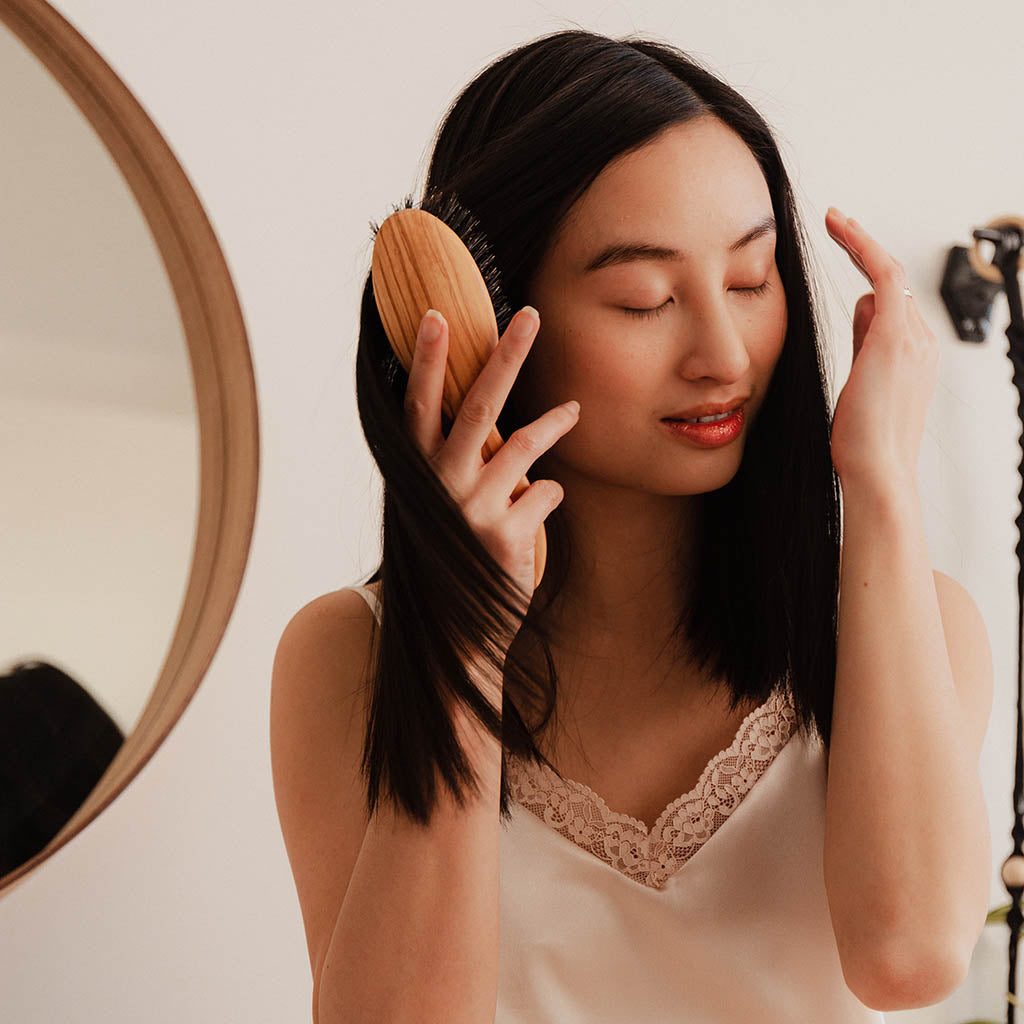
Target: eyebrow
[629, 252]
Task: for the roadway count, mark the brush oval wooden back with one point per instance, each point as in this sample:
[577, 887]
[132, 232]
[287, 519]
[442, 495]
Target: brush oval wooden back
[420, 263]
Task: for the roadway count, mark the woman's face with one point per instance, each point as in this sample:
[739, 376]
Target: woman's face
[707, 336]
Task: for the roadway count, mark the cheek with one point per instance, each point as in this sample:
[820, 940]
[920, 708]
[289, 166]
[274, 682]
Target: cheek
[578, 363]
[612, 376]
[772, 335]
[541, 381]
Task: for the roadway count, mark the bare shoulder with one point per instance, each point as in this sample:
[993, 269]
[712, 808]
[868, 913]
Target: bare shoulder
[323, 650]
[317, 726]
[341, 603]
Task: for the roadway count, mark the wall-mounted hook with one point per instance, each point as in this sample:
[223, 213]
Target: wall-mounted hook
[970, 284]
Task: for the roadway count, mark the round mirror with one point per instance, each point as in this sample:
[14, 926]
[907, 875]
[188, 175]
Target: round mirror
[129, 440]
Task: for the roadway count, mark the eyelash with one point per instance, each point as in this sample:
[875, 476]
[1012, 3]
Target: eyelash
[648, 314]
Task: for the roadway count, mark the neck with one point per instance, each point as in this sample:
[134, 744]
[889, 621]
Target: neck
[631, 553]
[612, 623]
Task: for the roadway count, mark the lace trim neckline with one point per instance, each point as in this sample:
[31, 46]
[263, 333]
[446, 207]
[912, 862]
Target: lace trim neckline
[650, 858]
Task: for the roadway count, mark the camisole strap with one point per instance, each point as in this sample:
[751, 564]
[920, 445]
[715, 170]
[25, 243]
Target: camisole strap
[370, 598]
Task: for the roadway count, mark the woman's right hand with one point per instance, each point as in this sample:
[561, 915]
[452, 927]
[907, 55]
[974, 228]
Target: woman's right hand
[508, 529]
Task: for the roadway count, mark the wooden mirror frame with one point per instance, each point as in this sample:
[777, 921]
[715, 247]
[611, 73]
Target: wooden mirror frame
[222, 375]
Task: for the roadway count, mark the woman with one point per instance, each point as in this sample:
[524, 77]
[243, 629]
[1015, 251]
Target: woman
[683, 639]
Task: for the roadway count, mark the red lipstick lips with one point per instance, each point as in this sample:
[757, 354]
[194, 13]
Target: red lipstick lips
[708, 409]
[708, 435]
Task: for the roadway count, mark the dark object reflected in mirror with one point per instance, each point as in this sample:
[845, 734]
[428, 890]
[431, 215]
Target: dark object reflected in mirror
[56, 742]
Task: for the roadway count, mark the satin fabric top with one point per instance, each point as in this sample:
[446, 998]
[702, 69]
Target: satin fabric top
[717, 916]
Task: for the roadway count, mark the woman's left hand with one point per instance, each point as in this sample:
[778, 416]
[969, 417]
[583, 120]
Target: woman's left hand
[880, 414]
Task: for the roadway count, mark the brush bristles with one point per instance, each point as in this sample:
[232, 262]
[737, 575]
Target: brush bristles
[446, 207]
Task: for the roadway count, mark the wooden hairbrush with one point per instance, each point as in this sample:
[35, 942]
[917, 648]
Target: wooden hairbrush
[438, 260]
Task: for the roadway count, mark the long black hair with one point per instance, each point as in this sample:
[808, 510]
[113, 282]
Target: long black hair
[518, 147]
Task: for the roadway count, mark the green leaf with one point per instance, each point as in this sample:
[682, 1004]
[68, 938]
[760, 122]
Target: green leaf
[998, 915]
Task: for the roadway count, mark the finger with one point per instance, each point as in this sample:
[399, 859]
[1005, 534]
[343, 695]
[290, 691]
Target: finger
[863, 314]
[425, 387]
[835, 230]
[856, 262]
[534, 505]
[887, 275]
[486, 396]
[914, 315]
[910, 307]
[515, 457]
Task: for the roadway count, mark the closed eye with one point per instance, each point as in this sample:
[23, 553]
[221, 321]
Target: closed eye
[647, 313]
[658, 310]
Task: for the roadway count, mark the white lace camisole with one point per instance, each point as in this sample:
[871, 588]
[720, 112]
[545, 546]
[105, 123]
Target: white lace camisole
[718, 915]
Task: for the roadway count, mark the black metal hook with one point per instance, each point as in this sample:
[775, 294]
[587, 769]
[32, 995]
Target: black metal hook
[968, 296]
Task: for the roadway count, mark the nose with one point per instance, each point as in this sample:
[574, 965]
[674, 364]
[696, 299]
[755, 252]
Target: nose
[714, 342]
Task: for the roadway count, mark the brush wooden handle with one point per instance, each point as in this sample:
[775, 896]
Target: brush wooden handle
[420, 263]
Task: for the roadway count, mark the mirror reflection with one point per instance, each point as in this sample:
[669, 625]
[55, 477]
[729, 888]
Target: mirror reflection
[99, 445]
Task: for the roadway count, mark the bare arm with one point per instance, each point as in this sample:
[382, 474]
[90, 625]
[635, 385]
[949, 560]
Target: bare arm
[907, 841]
[401, 919]
[417, 936]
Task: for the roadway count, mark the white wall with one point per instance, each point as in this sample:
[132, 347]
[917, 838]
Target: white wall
[299, 124]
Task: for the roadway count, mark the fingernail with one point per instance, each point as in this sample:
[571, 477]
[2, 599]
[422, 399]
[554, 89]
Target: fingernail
[430, 327]
[526, 320]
